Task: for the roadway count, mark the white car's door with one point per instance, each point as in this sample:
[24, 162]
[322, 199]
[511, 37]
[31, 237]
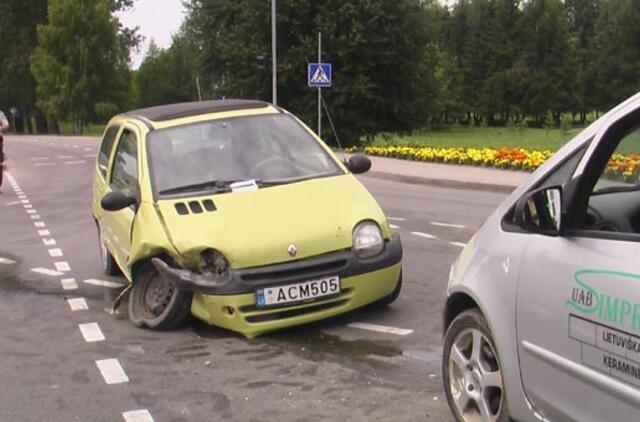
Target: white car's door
[578, 299]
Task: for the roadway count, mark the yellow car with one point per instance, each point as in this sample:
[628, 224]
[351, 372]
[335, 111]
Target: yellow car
[236, 212]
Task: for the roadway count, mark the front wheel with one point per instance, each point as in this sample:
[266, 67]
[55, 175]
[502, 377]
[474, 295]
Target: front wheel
[157, 303]
[471, 371]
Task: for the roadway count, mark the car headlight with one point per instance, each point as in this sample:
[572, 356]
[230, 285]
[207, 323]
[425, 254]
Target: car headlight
[367, 239]
[213, 262]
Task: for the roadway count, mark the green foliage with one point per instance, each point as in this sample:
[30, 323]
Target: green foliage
[80, 62]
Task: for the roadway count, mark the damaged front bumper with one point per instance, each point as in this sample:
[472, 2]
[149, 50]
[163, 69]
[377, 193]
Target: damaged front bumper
[233, 282]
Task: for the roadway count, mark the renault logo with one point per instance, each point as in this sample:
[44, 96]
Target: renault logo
[292, 249]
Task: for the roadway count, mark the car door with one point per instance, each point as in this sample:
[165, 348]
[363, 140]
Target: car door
[123, 177]
[578, 296]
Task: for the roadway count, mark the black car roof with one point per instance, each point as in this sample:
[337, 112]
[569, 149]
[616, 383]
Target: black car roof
[175, 111]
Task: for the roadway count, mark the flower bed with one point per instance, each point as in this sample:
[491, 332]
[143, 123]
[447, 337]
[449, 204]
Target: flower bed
[621, 167]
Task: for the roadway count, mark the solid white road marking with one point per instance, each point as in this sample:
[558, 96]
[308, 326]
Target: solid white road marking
[112, 371]
[7, 261]
[380, 328]
[39, 223]
[91, 332]
[395, 218]
[62, 266]
[46, 271]
[44, 164]
[459, 244]
[104, 283]
[455, 226]
[44, 233]
[8, 204]
[141, 415]
[393, 226]
[69, 283]
[55, 253]
[77, 304]
[425, 235]
[48, 242]
[75, 162]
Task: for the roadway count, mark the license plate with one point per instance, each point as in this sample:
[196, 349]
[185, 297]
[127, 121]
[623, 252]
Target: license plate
[299, 292]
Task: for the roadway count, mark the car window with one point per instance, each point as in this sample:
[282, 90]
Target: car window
[270, 149]
[623, 168]
[124, 173]
[105, 148]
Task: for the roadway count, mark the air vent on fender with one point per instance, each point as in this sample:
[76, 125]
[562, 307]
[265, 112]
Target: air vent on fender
[195, 207]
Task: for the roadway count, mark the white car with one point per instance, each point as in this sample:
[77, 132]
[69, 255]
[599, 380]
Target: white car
[542, 317]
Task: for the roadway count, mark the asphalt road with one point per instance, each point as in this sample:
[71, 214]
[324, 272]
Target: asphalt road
[61, 362]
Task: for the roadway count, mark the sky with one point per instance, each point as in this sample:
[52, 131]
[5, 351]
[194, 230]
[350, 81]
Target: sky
[157, 19]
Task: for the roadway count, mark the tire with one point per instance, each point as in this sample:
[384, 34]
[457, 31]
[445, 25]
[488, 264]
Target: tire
[471, 371]
[390, 298]
[156, 303]
[109, 265]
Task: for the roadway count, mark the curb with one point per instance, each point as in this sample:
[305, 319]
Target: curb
[444, 183]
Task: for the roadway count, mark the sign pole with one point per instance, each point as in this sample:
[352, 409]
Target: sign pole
[319, 89]
[274, 61]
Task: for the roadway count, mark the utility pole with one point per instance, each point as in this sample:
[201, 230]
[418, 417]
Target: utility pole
[274, 61]
[319, 89]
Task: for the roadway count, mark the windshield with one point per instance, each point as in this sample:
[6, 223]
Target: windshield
[212, 155]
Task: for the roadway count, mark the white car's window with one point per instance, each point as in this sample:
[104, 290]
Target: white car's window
[623, 169]
[208, 156]
[124, 174]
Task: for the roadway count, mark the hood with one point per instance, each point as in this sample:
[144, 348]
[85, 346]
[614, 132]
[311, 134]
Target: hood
[254, 228]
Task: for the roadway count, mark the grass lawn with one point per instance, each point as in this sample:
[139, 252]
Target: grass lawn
[480, 137]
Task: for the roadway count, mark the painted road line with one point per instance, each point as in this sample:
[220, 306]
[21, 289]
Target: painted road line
[395, 218]
[459, 244]
[25, 201]
[62, 266]
[425, 235]
[380, 328]
[455, 226]
[104, 283]
[112, 371]
[393, 226]
[35, 216]
[44, 233]
[48, 242]
[40, 158]
[39, 223]
[55, 253]
[69, 283]
[31, 211]
[141, 415]
[46, 271]
[91, 332]
[75, 162]
[7, 261]
[87, 149]
[8, 204]
[44, 164]
[89, 155]
[77, 304]
[65, 157]
[27, 206]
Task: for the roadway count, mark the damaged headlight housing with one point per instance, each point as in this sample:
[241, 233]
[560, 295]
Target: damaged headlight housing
[367, 239]
[213, 263]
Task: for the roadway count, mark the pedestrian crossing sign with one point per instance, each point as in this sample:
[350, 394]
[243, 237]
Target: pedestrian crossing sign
[319, 75]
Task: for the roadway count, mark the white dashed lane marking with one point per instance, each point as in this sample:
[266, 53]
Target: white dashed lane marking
[69, 283]
[395, 218]
[77, 304]
[459, 244]
[425, 235]
[44, 233]
[380, 328]
[55, 253]
[35, 216]
[46, 271]
[39, 224]
[103, 283]
[9, 204]
[48, 242]
[40, 158]
[7, 261]
[393, 226]
[31, 211]
[75, 162]
[62, 266]
[141, 415]
[44, 164]
[91, 332]
[65, 157]
[112, 371]
[451, 225]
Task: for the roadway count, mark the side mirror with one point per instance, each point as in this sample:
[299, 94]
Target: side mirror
[116, 201]
[358, 164]
[540, 211]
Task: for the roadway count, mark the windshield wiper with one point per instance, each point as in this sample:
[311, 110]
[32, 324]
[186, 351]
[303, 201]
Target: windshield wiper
[615, 189]
[219, 186]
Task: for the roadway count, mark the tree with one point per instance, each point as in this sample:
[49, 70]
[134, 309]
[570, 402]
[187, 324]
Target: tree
[18, 22]
[80, 62]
